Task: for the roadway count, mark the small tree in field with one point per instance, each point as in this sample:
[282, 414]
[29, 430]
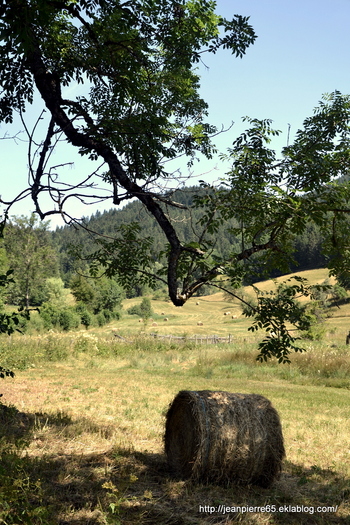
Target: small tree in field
[32, 259]
[144, 309]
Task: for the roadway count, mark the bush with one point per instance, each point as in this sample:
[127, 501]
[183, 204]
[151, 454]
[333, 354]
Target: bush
[117, 315]
[68, 319]
[56, 317]
[144, 309]
[108, 315]
[101, 319]
[86, 317]
[50, 314]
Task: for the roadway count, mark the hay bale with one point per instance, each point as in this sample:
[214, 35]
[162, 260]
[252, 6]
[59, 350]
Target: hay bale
[199, 323]
[224, 438]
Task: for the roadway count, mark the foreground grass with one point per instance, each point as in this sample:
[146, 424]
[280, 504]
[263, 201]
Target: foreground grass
[82, 427]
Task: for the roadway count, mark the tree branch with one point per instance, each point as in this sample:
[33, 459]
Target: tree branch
[49, 87]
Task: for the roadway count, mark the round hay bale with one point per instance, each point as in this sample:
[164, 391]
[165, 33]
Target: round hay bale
[224, 438]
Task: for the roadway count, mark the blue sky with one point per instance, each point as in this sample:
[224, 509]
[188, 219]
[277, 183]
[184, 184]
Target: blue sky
[301, 52]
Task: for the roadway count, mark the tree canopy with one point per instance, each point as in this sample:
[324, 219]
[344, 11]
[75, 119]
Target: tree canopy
[31, 255]
[143, 107]
[138, 106]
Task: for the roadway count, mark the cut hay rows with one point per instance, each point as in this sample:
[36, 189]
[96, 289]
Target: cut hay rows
[224, 438]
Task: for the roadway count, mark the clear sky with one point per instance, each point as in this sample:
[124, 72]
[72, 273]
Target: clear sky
[302, 51]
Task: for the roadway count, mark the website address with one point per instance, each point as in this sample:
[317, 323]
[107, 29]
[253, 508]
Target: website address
[224, 509]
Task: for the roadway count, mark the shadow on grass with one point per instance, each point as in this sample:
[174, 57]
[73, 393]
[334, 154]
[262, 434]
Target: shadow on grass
[123, 486]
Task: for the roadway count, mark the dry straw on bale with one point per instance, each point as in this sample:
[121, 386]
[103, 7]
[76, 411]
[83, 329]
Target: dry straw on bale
[224, 438]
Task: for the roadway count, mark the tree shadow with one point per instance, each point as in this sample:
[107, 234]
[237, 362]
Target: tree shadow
[299, 497]
[124, 486]
[16, 426]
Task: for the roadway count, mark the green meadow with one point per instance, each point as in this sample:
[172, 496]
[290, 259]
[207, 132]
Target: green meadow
[82, 422]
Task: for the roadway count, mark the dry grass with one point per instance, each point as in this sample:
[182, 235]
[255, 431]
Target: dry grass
[84, 443]
[93, 429]
[313, 276]
[211, 310]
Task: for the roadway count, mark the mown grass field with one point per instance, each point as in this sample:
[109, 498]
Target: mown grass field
[210, 310]
[82, 435]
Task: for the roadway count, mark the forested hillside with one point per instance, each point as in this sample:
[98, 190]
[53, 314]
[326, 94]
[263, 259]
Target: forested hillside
[306, 251]
[44, 264]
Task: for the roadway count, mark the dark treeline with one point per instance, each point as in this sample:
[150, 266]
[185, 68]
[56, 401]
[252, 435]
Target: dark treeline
[306, 248]
[44, 262]
[45, 267]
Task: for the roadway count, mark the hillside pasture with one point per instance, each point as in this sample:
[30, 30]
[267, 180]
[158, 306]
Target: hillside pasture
[83, 443]
[211, 309]
[184, 320]
[82, 422]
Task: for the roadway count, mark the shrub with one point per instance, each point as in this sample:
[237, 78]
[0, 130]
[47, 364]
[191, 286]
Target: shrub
[68, 319]
[117, 315]
[85, 316]
[55, 317]
[144, 309]
[108, 315]
[101, 319]
[50, 314]
[86, 319]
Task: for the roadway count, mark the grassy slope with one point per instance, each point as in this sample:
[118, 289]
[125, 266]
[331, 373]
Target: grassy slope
[92, 424]
[211, 309]
[94, 430]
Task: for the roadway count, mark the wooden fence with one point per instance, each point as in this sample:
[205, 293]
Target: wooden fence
[197, 339]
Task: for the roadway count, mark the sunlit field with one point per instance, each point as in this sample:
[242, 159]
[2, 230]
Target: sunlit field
[83, 422]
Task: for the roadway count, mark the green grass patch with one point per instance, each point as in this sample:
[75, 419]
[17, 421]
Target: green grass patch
[82, 422]
[87, 447]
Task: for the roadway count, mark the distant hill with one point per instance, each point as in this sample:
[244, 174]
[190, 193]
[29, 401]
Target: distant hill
[307, 247]
[107, 222]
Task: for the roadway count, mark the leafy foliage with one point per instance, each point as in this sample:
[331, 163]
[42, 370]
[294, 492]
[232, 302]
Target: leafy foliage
[32, 258]
[143, 310]
[133, 65]
[100, 294]
[9, 322]
[274, 310]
